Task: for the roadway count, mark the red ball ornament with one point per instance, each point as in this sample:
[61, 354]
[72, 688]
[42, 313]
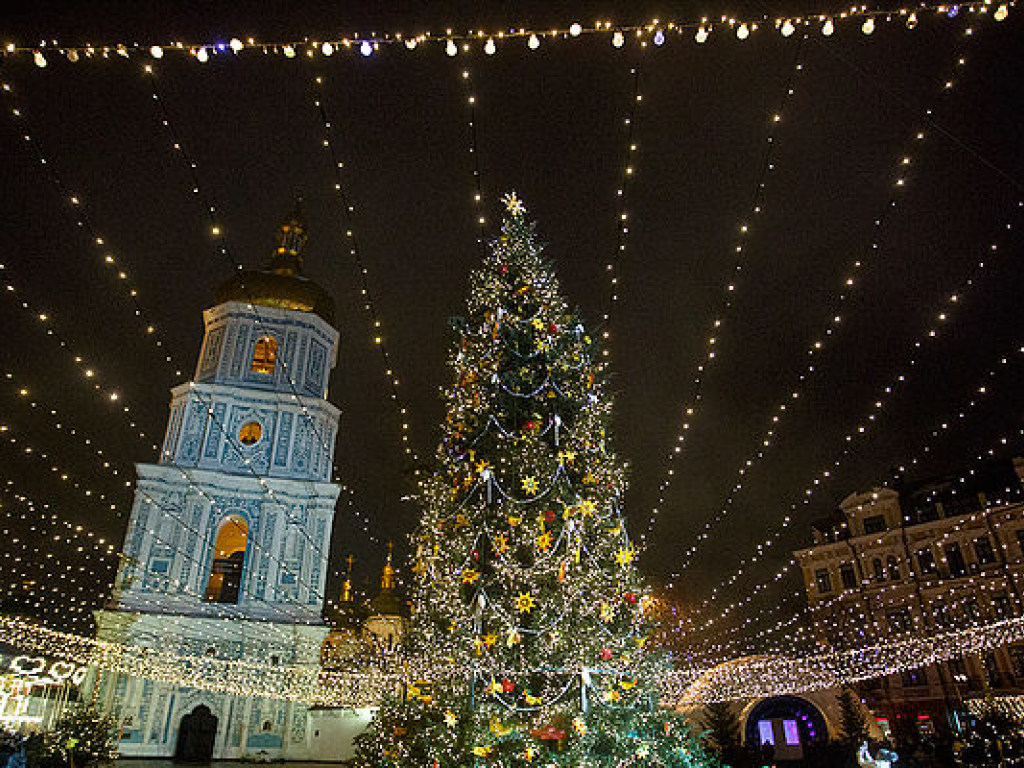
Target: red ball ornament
[529, 426]
[606, 653]
[549, 516]
[630, 597]
[476, 554]
[503, 268]
[552, 328]
[507, 685]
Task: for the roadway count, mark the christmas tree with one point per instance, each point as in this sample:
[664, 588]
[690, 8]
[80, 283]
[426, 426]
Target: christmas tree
[527, 596]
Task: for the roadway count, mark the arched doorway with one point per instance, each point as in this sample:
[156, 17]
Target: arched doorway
[196, 735]
[790, 724]
[228, 561]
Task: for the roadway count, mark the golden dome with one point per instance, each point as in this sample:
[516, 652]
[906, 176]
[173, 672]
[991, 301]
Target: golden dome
[281, 284]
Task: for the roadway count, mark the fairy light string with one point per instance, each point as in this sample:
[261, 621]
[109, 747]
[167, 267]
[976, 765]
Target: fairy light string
[728, 295]
[977, 395]
[466, 78]
[74, 206]
[831, 328]
[90, 374]
[693, 31]
[347, 221]
[629, 173]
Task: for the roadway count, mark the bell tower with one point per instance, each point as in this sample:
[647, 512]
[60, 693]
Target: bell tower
[226, 553]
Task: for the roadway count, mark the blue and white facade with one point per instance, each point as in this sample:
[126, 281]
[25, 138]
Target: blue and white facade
[226, 553]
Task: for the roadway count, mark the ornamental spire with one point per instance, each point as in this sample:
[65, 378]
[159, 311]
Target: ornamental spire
[291, 238]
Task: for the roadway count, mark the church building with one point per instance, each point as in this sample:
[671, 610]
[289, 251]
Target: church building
[226, 553]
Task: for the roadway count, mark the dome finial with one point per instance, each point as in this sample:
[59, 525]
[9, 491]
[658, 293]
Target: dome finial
[291, 238]
[387, 577]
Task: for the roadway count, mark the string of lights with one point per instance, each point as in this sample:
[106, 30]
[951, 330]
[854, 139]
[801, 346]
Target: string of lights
[454, 42]
[728, 295]
[833, 323]
[876, 410]
[474, 151]
[89, 372]
[347, 216]
[74, 205]
[629, 171]
[58, 422]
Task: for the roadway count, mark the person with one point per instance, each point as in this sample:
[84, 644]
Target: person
[767, 754]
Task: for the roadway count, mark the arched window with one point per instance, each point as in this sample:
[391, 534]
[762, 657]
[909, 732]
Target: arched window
[264, 355]
[228, 560]
[894, 568]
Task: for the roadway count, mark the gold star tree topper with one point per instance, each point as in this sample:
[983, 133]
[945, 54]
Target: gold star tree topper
[513, 204]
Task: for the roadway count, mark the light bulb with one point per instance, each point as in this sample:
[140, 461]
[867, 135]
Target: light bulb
[618, 39]
[911, 21]
[288, 51]
[72, 55]
[39, 59]
[489, 47]
[868, 26]
[203, 55]
[659, 37]
[410, 43]
[366, 48]
[156, 52]
[327, 49]
[235, 44]
[701, 36]
[575, 29]
[1001, 12]
[743, 32]
[533, 42]
[828, 28]
[451, 49]
[788, 28]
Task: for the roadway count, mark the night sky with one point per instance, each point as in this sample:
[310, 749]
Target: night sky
[550, 126]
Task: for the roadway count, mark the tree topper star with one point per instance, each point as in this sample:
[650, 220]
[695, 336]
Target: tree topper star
[513, 204]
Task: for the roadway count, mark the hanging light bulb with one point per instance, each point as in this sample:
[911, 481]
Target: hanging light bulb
[156, 52]
[533, 42]
[828, 27]
[72, 55]
[911, 21]
[289, 51]
[868, 26]
[204, 56]
[235, 44]
[410, 43]
[366, 48]
[39, 59]
[659, 37]
[575, 29]
[618, 39]
[451, 49]
[489, 47]
[788, 28]
[1001, 12]
[743, 32]
[327, 49]
[702, 34]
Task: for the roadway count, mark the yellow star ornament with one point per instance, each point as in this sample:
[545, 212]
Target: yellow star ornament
[526, 602]
[625, 556]
[530, 484]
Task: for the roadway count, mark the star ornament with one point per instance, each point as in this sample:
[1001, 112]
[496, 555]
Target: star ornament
[530, 484]
[449, 719]
[526, 602]
[513, 204]
[625, 556]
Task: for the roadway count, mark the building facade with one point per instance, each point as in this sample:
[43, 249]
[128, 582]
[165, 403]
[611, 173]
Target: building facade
[942, 555]
[226, 553]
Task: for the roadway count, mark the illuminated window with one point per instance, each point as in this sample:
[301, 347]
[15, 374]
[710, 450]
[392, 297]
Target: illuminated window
[250, 433]
[264, 355]
[228, 560]
[791, 731]
[765, 731]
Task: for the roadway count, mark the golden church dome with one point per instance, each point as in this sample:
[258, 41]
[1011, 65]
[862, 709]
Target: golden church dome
[281, 284]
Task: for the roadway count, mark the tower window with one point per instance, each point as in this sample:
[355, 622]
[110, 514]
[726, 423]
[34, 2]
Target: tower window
[264, 355]
[250, 433]
[225, 580]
